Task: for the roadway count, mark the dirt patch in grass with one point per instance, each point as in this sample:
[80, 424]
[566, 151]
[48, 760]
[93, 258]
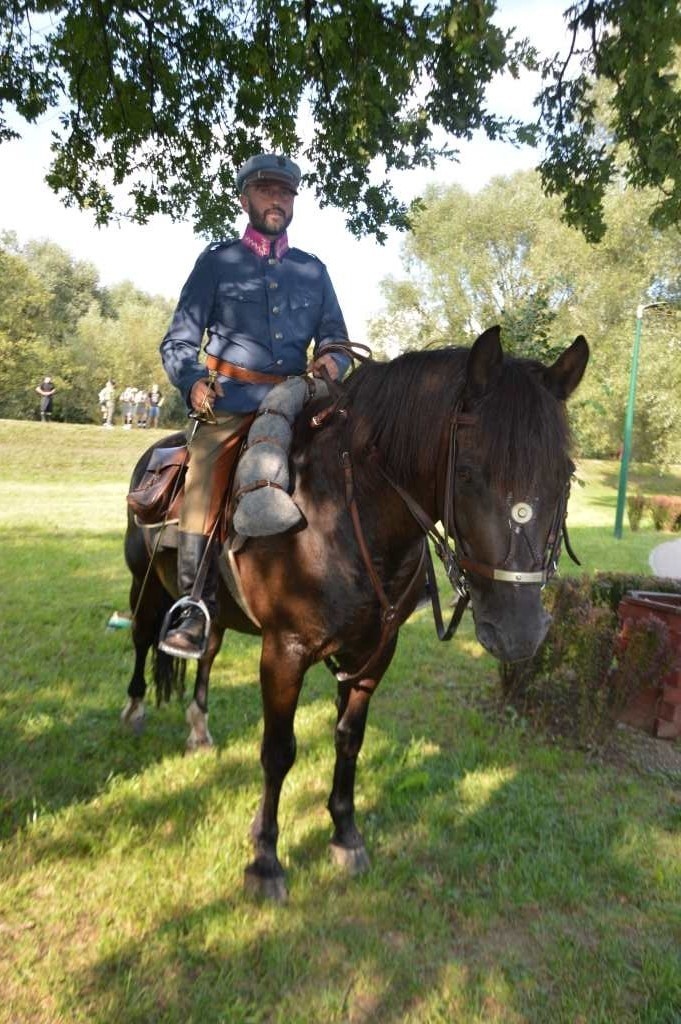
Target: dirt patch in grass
[625, 747]
[632, 748]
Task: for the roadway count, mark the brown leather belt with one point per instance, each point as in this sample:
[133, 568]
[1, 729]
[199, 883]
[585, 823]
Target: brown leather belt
[241, 373]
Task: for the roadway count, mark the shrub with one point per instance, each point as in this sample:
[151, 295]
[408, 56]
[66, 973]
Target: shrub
[582, 676]
[610, 587]
[666, 511]
[636, 506]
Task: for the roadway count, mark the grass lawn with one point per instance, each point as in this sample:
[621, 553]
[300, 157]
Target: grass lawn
[513, 880]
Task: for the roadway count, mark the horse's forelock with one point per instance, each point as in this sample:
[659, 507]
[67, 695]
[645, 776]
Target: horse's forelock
[522, 432]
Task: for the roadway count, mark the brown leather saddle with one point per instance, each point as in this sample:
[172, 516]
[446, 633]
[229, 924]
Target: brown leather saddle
[157, 499]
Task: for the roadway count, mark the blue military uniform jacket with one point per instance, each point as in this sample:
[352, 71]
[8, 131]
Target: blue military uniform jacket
[261, 305]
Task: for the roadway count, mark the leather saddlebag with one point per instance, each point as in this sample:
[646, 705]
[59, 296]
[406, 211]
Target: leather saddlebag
[160, 486]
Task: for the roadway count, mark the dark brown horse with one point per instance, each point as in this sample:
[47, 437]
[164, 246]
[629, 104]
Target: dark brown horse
[467, 437]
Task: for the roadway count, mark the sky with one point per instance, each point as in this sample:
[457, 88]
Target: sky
[158, 257]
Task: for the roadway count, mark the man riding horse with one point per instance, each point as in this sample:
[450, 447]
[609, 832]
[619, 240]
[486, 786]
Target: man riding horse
[261, 303]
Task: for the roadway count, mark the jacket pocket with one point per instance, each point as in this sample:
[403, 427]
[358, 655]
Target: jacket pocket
[239, 306]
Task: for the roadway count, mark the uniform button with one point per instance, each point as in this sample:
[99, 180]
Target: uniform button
[273, 285]
[271, 261]
[280, 362]
[275, 309]
[278, 335]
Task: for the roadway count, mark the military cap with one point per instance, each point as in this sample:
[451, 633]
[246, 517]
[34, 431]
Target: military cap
[268, 167]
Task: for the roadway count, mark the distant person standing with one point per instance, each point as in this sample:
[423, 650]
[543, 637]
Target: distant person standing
[155, 403]
[107, 402]
[46, 390]
[141, 407]
[128, 402]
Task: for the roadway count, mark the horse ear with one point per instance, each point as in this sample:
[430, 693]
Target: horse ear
[563, 377]
[484, 361]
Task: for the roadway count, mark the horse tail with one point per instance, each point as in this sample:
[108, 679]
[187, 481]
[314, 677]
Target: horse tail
[169, 676]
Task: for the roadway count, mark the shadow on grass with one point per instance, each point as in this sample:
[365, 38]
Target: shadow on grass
[646, 478]
[508, 882]
[65, 679]
[516, 903]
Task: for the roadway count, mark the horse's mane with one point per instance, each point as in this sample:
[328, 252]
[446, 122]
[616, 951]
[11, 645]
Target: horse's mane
[401, 407]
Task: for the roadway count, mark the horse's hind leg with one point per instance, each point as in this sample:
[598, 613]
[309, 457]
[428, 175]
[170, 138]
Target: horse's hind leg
[145, 628]
[281, 677]
[133, 714]
[347, 845]
[197, 713]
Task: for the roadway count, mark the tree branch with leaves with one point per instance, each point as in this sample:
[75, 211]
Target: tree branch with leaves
[160, 101]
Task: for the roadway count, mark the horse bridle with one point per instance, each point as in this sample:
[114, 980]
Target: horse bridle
[458, 567]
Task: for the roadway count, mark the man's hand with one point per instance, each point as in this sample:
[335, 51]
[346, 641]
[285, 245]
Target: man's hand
[327, 361]
[202, 394]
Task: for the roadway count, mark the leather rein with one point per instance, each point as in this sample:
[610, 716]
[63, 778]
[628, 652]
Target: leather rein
[457, 567]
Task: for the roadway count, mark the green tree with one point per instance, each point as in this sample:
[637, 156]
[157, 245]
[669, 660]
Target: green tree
[24, 353]
[159, 102]
[474, 260]
[56, 319]
[503, 256]
[123, 345]
[73, 286]
[611, 111]
[167, 98]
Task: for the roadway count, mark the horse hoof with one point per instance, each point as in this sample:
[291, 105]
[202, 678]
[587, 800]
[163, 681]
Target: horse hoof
[265, 887]
[133, 716]
[353, 859]
[198, 744]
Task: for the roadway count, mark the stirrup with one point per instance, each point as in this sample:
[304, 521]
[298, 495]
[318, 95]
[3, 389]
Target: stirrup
[172, 616]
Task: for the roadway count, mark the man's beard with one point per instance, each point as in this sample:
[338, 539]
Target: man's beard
[260, 224]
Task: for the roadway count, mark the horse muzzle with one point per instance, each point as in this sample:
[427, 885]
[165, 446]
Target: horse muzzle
[510, 620]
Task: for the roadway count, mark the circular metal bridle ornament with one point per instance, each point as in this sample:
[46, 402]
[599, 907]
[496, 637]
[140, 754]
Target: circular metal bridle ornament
[521, 512]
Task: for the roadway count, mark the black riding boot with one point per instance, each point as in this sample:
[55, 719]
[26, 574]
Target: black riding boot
[187, 635]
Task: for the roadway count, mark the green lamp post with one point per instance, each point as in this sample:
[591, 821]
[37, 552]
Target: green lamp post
[629, 418]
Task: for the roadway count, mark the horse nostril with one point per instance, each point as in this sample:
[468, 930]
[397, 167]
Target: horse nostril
[487, 636]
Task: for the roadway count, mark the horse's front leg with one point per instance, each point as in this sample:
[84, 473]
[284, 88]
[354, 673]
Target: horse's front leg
[347, 845]
[281, 675]
[199, 737]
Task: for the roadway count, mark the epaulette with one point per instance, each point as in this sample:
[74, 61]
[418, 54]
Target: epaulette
[300, 254]
[222, 244]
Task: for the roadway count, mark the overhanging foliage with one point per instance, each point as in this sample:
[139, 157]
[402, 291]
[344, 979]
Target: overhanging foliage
[158, 102]
[167, 99]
